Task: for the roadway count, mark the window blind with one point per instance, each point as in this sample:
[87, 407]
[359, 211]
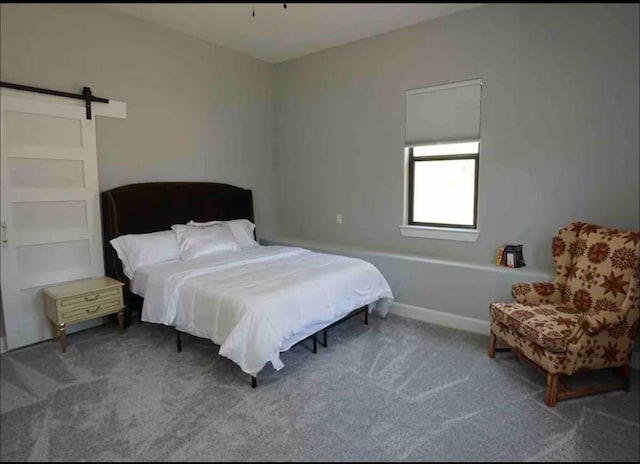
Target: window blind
[444, 113]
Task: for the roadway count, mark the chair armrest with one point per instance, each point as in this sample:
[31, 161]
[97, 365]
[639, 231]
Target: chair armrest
[594, 322]
[537, 293]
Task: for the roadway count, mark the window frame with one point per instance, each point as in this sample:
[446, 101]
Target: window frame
[411, 182]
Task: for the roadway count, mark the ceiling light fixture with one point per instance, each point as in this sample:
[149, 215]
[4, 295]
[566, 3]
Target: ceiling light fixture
[253, 8]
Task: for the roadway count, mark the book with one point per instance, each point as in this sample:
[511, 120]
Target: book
[510, 256]
[508, 259]
[519, 259]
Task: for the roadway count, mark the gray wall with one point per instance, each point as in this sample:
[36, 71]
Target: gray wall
[559, 128]
[196, 112]
[441, 285]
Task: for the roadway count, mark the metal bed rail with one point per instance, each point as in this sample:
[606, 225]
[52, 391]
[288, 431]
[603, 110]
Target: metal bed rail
[313, 337]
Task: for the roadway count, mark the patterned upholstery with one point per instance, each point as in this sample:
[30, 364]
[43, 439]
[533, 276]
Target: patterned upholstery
[547, 325]
[588, 317]
[538, 292]
[548, 360]
[604, 263]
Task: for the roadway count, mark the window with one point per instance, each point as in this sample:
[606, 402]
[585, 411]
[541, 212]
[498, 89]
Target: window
[442, 151]
[443, 181]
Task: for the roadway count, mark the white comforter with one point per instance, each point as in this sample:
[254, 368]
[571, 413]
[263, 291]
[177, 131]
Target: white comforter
[258, 302]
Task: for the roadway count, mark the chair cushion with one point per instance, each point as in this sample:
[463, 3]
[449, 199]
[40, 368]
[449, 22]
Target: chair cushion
[552, 362]
[547, 325]
[604, 261]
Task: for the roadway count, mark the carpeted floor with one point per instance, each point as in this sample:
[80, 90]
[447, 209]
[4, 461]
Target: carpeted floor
[397, 389]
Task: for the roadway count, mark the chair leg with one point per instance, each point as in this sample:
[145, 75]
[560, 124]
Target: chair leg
[492, 345]
[551, 395]
[626, 374]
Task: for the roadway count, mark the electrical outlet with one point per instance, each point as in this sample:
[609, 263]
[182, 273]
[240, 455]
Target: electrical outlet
[339, 218]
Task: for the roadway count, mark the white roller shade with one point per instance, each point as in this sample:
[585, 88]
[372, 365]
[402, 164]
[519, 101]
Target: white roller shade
[443, 113]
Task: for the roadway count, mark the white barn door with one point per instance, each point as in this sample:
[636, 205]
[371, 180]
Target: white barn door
[49, 206]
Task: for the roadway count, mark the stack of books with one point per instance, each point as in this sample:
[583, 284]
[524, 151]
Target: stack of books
[510, 256]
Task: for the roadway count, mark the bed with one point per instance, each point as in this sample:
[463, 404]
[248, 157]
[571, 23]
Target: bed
[254, 303]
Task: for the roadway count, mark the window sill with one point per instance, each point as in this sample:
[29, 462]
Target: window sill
[441, 233]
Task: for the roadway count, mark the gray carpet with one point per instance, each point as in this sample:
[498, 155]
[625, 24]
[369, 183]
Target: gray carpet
[397, 389]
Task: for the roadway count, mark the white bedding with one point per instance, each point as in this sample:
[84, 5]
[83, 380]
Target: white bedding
[138, 284]
[258, 302]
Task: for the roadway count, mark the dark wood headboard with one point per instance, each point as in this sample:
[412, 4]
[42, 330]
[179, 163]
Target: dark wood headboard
[156, 206]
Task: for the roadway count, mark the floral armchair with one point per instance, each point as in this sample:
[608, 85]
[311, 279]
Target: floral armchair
[587, 318]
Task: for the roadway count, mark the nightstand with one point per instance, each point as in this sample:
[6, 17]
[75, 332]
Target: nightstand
[80, 301]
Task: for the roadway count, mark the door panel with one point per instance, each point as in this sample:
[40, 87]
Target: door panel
[42, 129]
[46, 216]
[49, 206]
[49, 257]
[25, 173]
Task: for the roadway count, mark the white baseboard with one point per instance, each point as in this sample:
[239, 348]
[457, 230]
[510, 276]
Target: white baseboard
[454, 321]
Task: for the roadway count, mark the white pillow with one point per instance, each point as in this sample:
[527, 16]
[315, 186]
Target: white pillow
[135, 250]
[197, 241]
[242, 230]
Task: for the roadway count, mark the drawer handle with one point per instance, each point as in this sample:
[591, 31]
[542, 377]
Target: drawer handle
[94, 309]
[93, 298]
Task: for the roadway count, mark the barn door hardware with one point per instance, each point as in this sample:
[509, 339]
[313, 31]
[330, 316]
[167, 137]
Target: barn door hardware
[86, 94]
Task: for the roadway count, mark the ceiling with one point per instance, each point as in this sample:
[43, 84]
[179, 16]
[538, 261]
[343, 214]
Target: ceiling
[277, 34]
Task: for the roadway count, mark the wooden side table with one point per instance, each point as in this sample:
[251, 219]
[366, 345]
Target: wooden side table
[80, 301]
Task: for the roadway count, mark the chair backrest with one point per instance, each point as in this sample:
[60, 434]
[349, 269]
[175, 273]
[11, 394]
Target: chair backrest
[595, 264]
[563, 249]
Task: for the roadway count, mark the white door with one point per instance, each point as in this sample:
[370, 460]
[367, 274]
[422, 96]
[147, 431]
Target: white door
[49, 206]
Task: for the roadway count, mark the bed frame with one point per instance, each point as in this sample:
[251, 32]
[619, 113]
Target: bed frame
[155, 206]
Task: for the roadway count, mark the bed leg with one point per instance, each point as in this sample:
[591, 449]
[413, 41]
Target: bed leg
[366, 316]
[254, 382]
[324, 337]
[179, 341]
[140, 316]
[315, 344]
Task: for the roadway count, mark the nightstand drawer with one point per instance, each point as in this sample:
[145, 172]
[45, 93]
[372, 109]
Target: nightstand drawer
[92, 310]
[89, 298]
[82, 300]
